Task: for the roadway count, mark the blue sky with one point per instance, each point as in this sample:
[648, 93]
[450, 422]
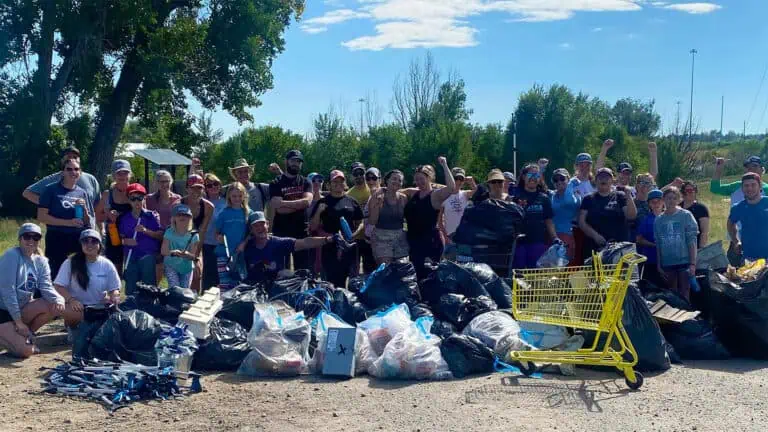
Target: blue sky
[342, 50]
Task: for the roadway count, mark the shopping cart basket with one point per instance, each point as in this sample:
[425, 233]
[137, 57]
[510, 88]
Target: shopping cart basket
[588, 298]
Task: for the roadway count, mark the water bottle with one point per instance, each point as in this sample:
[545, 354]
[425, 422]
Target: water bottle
[346, 231]
[694, 284]
[79, 211]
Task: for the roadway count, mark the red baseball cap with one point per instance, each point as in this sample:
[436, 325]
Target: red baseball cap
[195, 180]
[135, 188]
[336, 174]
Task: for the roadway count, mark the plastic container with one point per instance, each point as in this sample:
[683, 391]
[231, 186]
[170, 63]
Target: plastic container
[114, 236]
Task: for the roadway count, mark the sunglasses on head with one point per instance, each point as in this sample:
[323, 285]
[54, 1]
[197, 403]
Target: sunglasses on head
[90, 241]
[136, 198]
[496, 182]
[31, 236]
[212, 185]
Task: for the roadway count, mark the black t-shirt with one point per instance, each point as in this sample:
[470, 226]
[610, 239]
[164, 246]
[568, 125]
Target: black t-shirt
[699, 211]
[605, 214]
[337, 208]
[289, 189]
[538, 208]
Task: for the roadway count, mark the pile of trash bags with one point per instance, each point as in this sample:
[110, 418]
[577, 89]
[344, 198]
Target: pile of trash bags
[488, 221]
[739, 312]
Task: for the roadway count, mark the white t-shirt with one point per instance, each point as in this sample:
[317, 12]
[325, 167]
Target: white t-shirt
[453, 210]
[102, 278]
[582, 188]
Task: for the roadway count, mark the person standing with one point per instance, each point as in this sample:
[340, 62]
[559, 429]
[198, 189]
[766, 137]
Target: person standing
[23, 270]
[510, 183]
[163, 201]
[538, 227]
[66, 210]
[453, 208]
[646, 240]
[337, 265]
[361, 193]
[424, 203]
[365, 246]
[213, 195]
[86, 181]
[387, 217]
[675, 233]
[291, 194]
[565, 209]
[232, 222]
[625, 169]
[112, 205]
[752, 164]
[583, 186]
[752, 214]
[700, 211]
[496, 188]
[604, 214]
[314, 255]
[179, 248]
[202, 213]
[141, 235]
[258, 193]
[645, 183]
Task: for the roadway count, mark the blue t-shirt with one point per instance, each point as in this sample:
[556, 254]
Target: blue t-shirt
[265, 263]
[180, 242]
[209, 238]
[60, 203]
[233, 224]
[754, 227]
[565, 209]
[645, 229]
[86, 181]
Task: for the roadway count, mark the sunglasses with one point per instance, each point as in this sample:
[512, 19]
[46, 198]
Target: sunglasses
[533, 176]
[358, 174]
[318, 181]
[212, 185]
[90, 241]
[559, 179]
[459, 178]
[72, 169]
[644, 183]
[688, 191]
[31, 236]
[496, 182]
[371, 178]
[136, 198]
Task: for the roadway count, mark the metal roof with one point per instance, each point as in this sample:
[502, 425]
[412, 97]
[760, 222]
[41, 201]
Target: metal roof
[163, 156]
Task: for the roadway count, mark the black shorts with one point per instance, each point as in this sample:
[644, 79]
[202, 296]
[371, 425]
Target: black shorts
[5, 316]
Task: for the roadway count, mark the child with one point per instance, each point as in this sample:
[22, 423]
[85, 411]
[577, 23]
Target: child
[646, 241]
[232, 226]
[675, 231]
[180, 248]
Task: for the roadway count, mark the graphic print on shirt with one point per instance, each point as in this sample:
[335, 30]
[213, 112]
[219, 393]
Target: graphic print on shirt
[456, 204]
[31, 285]
[293, 193]
[67, 202]
[673, 234]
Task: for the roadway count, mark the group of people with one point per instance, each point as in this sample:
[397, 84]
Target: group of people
[94, 239]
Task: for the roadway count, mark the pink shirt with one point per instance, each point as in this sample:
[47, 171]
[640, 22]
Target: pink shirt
[163, 209]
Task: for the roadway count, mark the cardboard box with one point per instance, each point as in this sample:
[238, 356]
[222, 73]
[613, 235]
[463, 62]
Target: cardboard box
[340, 352]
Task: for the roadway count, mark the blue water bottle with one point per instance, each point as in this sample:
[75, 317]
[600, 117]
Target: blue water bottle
[346, 231]
[78, 211]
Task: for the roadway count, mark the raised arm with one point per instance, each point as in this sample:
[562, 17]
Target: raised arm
[443, 194]
[653, 159]
[607, 144]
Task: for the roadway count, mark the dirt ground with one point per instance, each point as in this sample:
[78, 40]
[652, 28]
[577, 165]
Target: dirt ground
[698, 396]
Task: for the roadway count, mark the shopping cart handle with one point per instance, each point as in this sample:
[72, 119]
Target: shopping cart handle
[632, 258]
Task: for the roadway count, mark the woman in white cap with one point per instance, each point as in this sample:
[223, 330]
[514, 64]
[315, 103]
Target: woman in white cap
[87, 279]
[23, 270]
[113, 204]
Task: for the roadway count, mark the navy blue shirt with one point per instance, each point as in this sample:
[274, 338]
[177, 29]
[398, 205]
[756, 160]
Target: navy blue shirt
[538, 208]
[264, 264]
[60, 203]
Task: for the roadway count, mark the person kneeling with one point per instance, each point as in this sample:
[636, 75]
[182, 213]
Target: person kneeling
[23, 270]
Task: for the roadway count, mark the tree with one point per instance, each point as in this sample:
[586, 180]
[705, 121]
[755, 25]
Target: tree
[415, 94]
[636, 117]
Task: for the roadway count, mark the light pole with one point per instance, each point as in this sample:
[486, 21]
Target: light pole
[361, 100]
[690, 116]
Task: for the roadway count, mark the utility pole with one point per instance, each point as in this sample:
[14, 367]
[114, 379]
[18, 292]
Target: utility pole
[677, 120]
[361, 100]
[690, 116]
[722, 110]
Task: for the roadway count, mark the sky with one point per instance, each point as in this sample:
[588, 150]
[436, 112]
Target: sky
[342, 50]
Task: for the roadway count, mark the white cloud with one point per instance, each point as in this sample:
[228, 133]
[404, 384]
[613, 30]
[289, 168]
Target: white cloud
[445, 23]
[694, 8]
[597, 30]
[565, 46]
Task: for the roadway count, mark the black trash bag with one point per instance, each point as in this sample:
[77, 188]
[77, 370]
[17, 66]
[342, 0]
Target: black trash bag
[151, 305]
[643, 331]
[459, 310]
[740, 315]
[355, 284]
[178, 296]
[280, 289]
[695, 340]
[345, 304]
[496, 287]
[239, 307]
[647, 287]
[442, 328]
[489, 222]
[670, 298]
[302, 292]
[394, 284]
[419, 310]
[450, 278]
[224, 349]
[128, 336]
[466, 355]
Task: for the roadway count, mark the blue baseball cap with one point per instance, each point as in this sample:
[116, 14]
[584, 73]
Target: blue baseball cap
[583, 157]
[312, 176]
[182, 209]
[256, 217]
[120, 165]
[655, 194]
[753, 160]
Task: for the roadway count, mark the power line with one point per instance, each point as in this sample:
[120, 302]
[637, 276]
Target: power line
[757, 95]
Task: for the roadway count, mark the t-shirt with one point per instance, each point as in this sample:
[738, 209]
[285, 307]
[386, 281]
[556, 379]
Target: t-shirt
[360, 194]
[146, 245]
[289, 189]
[165, 210]
[754, 227]
[86, 181]
[265, 263]
[219, 204]
[699, 210]
[538, 208]
[582, 188]
[337, 208]
[645, 229]
[258, 196]
[180, 242]
[60, 203]
[643, 210]
[233, 224]
[102, 278]
[566, 209]
[605, 214]
[453, 210]
[674, 234]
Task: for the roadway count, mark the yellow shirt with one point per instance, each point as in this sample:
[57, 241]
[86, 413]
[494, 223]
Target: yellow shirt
[361, 195]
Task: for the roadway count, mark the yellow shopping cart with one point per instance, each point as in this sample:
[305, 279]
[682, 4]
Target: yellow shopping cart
[586, 297]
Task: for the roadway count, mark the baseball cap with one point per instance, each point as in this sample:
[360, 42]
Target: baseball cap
[624, 166]
[120, 165]
[312, 176]
[256, 217]
[90, 233]
[604, 172]
[655, 194]
[70, 149]
[495, 174]
[336, 174]
[29, 228]
[753, 160]
[135, 188]
[357, 166]
[294, 154]
[508, 175]
[583, 157]
[182, 209]
[561, 172]
[375, 171]
[195, 180]
[459, 172]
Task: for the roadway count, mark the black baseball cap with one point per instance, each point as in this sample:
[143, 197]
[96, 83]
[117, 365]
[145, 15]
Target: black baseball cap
[70, 149]
[625, 166]
[753, 160]
[357, 166]
[294, 154]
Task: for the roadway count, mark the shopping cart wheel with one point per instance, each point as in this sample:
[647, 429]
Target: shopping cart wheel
[638, 381]
[527, 368]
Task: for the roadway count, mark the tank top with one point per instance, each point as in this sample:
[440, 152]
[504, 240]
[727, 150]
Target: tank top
[420, 216]
[390, 216]
[198, 220]
[119, 208]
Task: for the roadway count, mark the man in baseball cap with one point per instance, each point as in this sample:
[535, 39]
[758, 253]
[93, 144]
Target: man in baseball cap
[86, 181]
[453, 208]
[291, 195]
[359, 191]
[752, 164]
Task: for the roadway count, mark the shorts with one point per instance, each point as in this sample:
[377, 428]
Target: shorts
[389, 244]
[5, 316]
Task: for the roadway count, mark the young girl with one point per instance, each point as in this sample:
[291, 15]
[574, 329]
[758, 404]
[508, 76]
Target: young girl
[232, 222]
[180, 248]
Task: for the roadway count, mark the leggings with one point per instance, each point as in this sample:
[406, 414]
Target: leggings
[58, 246]
[176, 279]
[424, 247]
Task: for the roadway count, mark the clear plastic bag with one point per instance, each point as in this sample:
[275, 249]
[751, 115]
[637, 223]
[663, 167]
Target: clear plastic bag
[364, 355]
[280, 347]
[543, 336]
[555, 256]
[499, 331]
[412, 354]
[384, 326]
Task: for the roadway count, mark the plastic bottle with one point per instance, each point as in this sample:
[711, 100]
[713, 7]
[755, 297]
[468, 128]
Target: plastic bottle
[79, 211]
[345, 229]
[114, 236]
